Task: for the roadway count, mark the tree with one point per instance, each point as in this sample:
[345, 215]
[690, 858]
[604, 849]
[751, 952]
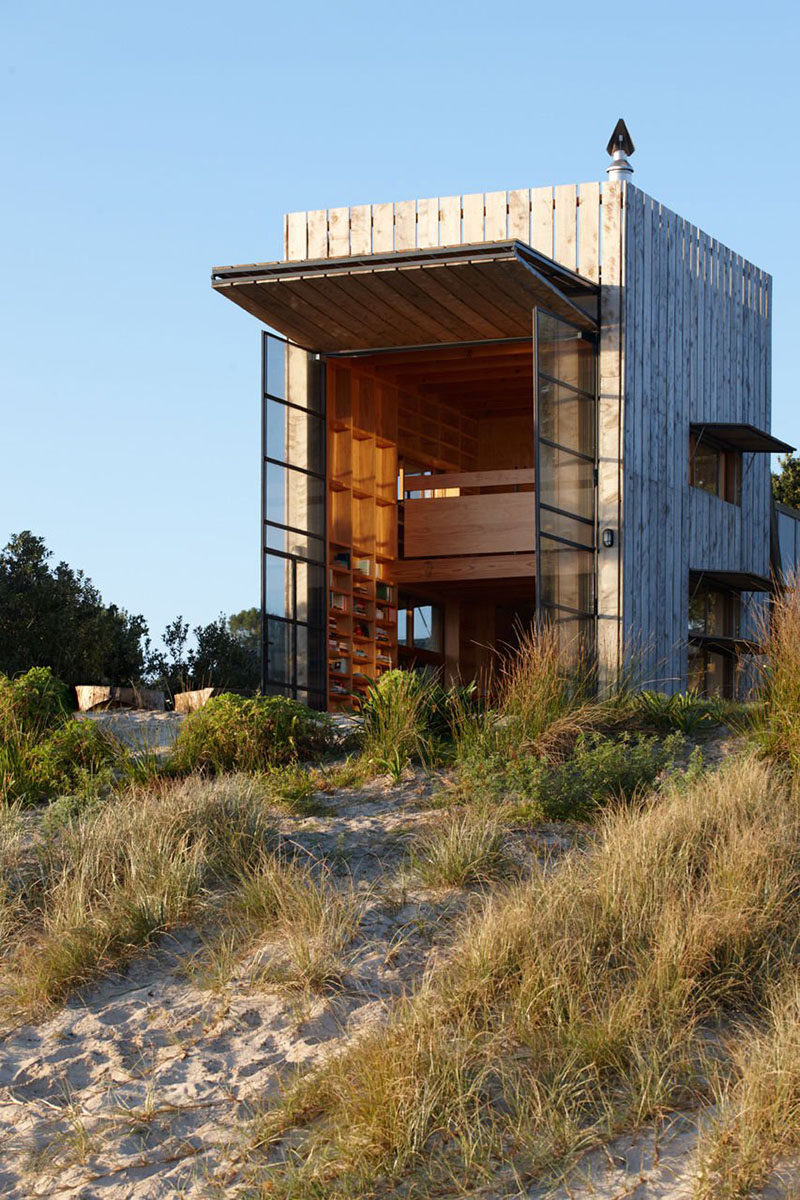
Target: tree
[226, 655]
[786, 485]
[55, 617]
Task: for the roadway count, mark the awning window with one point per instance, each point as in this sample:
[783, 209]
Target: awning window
[740, 437]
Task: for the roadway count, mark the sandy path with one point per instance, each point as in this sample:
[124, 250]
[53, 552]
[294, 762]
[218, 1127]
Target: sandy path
[147, 1076]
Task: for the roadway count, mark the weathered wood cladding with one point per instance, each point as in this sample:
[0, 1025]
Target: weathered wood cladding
[696, 348]
[561, 222]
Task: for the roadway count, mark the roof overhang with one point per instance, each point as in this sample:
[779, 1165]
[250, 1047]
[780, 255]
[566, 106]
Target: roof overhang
[741, 437]
[738, 581]
[410, 298]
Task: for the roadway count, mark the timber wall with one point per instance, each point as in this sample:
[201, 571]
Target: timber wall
[696, 348]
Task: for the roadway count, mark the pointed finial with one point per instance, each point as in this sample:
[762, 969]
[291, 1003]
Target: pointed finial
[620, 145]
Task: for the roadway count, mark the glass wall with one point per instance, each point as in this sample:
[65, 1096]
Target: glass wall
[293, 523]
[565, 433]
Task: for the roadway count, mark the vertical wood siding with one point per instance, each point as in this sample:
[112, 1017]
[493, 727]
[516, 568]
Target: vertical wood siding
[696, 348]
[562, 222]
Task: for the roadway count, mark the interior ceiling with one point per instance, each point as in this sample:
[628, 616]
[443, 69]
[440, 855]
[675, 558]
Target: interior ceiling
[473, 379]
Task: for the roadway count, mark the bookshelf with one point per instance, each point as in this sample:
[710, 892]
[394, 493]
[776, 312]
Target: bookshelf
[362, 534]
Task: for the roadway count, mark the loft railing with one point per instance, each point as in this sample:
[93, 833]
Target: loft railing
[467, 513]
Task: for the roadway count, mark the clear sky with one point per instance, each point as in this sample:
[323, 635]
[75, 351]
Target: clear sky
[143, 143]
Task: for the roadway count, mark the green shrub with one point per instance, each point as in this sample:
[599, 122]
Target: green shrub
[32, 706]
[686, 712]
[79, 758]
[410, 715]
[599, 770]
[233, 733]
[33, 703]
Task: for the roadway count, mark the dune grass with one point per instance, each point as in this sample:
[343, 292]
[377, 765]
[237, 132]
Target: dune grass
[776, 722]
[306, 916]
[462, 849]
[106, 883]
[578, 1003]
[758, 1120]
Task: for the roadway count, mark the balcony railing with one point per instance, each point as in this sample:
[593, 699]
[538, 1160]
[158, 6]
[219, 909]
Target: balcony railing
[464, 514]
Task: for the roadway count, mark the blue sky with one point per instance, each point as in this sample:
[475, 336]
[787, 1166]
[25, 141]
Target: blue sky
[144, 143]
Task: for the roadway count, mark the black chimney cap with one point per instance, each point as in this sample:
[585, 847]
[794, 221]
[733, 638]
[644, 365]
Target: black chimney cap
[620, 139]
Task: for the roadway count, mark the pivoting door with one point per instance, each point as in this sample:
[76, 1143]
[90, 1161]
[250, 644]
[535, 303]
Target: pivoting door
[565, 415]
[293, 523]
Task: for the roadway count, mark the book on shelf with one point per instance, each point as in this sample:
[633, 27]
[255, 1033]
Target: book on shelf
[362, 565]
[338, 602]
[361, 630]
[339, 666]
[341, 559]
[385, 592]
[337, 689]
[360, 609]
[381, 635]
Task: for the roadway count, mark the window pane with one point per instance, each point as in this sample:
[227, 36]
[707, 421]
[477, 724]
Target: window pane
[279, 652]
[428, 628]
[705, 468]
[566, 577]
[279, 586]
[295, 499]
[560, 526]
[310, 594]
[296, 438]
[566, 418]
[311, 658]
[275, 374]
[565, 354]
[566, 482]
[289, 542]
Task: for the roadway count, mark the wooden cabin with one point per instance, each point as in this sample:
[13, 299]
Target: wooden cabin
[483, 409]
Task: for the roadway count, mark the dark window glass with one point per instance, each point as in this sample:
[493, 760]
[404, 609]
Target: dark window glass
[714, 469]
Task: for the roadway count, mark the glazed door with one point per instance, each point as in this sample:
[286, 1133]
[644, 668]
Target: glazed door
[565, 418]
[293, 523]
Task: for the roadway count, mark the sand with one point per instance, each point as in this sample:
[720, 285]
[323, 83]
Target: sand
[141, 1088]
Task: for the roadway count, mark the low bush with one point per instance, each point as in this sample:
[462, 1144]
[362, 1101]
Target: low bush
[33, 703]
[599, 770]
[234, 733]
[79, 757]
[685, 712]
[397, 720]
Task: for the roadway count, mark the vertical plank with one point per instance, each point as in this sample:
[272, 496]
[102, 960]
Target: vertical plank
[427, 223]
[565, 217]
[496, 228]
[589, 231]
[519, 214]
[360, 230]
[296, 243]
[473, 217]
[609, 426]
[450, 221]
[542, 220]
[318, 233]
[405, 225]
[382, 228]
[338, 232]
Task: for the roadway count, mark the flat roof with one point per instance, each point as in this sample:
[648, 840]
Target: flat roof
[410, 298]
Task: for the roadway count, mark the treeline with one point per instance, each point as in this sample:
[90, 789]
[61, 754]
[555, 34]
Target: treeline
[53, 616]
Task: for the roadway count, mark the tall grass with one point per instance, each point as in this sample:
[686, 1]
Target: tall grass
[396, 721]
[109, 881]
[577, 1004]
[777, 724]
[758, 1120]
